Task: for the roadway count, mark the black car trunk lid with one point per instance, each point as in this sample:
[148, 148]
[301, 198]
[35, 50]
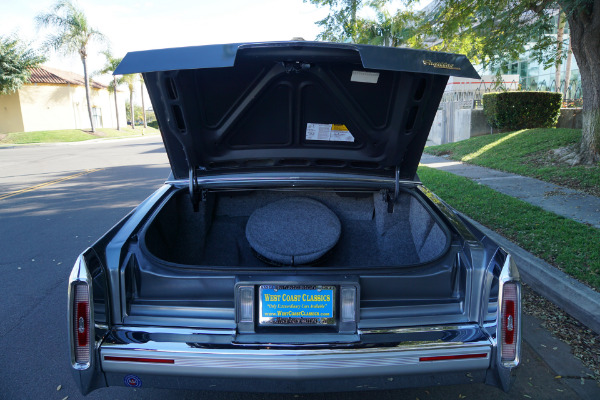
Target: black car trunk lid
[295, 105]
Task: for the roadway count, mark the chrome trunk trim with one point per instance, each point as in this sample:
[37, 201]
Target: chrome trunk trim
[292, 180]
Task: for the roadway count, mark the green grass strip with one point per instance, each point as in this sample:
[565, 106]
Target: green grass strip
[571, 246]
[71, 135]
[526, 152]
[67, 135]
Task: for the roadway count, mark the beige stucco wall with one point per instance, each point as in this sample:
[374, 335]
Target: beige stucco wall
[104, 102]
[52, 107]
[10, 113]
[47, 107]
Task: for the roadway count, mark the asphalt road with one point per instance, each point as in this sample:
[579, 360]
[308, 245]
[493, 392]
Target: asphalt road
[55, 200]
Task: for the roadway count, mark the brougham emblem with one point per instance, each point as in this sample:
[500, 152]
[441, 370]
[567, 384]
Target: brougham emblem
[440, 65]
[132, 381]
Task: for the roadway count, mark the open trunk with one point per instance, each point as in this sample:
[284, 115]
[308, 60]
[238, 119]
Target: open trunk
[403, 262]
[372, 235]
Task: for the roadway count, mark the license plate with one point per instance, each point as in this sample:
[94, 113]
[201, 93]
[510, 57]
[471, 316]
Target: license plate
[296, 305]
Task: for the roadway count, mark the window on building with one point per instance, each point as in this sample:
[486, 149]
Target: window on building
[97, 117]
[523, 65]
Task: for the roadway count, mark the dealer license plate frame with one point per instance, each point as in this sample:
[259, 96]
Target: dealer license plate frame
[265, 306]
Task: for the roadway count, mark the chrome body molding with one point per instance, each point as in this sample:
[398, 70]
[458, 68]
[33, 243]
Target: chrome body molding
[416, 329]
[157, 330]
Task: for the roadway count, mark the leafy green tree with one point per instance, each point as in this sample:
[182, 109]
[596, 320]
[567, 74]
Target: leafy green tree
[72, 35]
[138, 112]
[560, 31]
[496, 31]
[388, 29]
[109, 67]
[506, 29]
[342, 24]
[130, 81]
[16, 58]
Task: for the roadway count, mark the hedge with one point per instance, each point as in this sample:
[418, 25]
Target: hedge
[522, 110]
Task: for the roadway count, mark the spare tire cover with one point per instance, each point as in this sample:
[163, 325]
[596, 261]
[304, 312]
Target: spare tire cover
[293, 231]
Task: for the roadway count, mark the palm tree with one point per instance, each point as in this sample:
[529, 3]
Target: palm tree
[73, 34]
[109, 68]
[129, 80]
[142, 96]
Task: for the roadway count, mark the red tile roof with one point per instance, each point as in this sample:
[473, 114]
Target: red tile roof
[49, 75]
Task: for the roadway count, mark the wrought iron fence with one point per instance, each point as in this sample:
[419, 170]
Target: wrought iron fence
[472, 99]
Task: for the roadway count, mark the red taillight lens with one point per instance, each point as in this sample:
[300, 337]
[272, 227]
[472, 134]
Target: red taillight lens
[509, 323]
[81, 323]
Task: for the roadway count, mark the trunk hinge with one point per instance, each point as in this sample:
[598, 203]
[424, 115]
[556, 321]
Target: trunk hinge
[197, 194]
[392, 199]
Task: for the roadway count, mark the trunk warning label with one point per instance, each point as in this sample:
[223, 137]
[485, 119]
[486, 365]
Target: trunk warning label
[328, 133]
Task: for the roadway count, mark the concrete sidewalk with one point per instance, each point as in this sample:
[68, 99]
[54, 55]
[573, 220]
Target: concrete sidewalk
[577, 299]
[569, 203]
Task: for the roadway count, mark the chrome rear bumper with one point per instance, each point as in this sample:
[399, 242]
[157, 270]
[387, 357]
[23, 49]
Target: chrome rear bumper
[182, 360]
[172, 360]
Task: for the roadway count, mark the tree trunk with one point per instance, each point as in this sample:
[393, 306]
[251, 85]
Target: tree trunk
[131, 108]
[116, 103]
[143, 107]
[560, 30]
[568, 72]
[584, 23]
[353, 9]
[87, 92]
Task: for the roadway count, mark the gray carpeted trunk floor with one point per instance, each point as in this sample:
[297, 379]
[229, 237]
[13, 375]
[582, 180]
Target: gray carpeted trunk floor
[370, 235]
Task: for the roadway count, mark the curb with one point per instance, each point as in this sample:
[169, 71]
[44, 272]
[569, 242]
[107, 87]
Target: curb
[575, 298]
[560, 359]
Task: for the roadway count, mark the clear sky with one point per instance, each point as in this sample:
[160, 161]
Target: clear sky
[132, 25]
[151, 24]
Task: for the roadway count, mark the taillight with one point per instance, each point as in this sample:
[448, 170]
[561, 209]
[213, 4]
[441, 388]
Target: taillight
[508, 320]
[81, 323]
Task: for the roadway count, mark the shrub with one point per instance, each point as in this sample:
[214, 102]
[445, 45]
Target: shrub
[522, 110]
[153, 124]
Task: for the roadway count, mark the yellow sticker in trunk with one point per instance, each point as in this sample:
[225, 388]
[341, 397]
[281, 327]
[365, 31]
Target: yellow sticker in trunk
[338, 127]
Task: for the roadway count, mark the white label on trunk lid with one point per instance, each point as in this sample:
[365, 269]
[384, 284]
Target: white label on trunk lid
[328, 133]
[364, 76]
